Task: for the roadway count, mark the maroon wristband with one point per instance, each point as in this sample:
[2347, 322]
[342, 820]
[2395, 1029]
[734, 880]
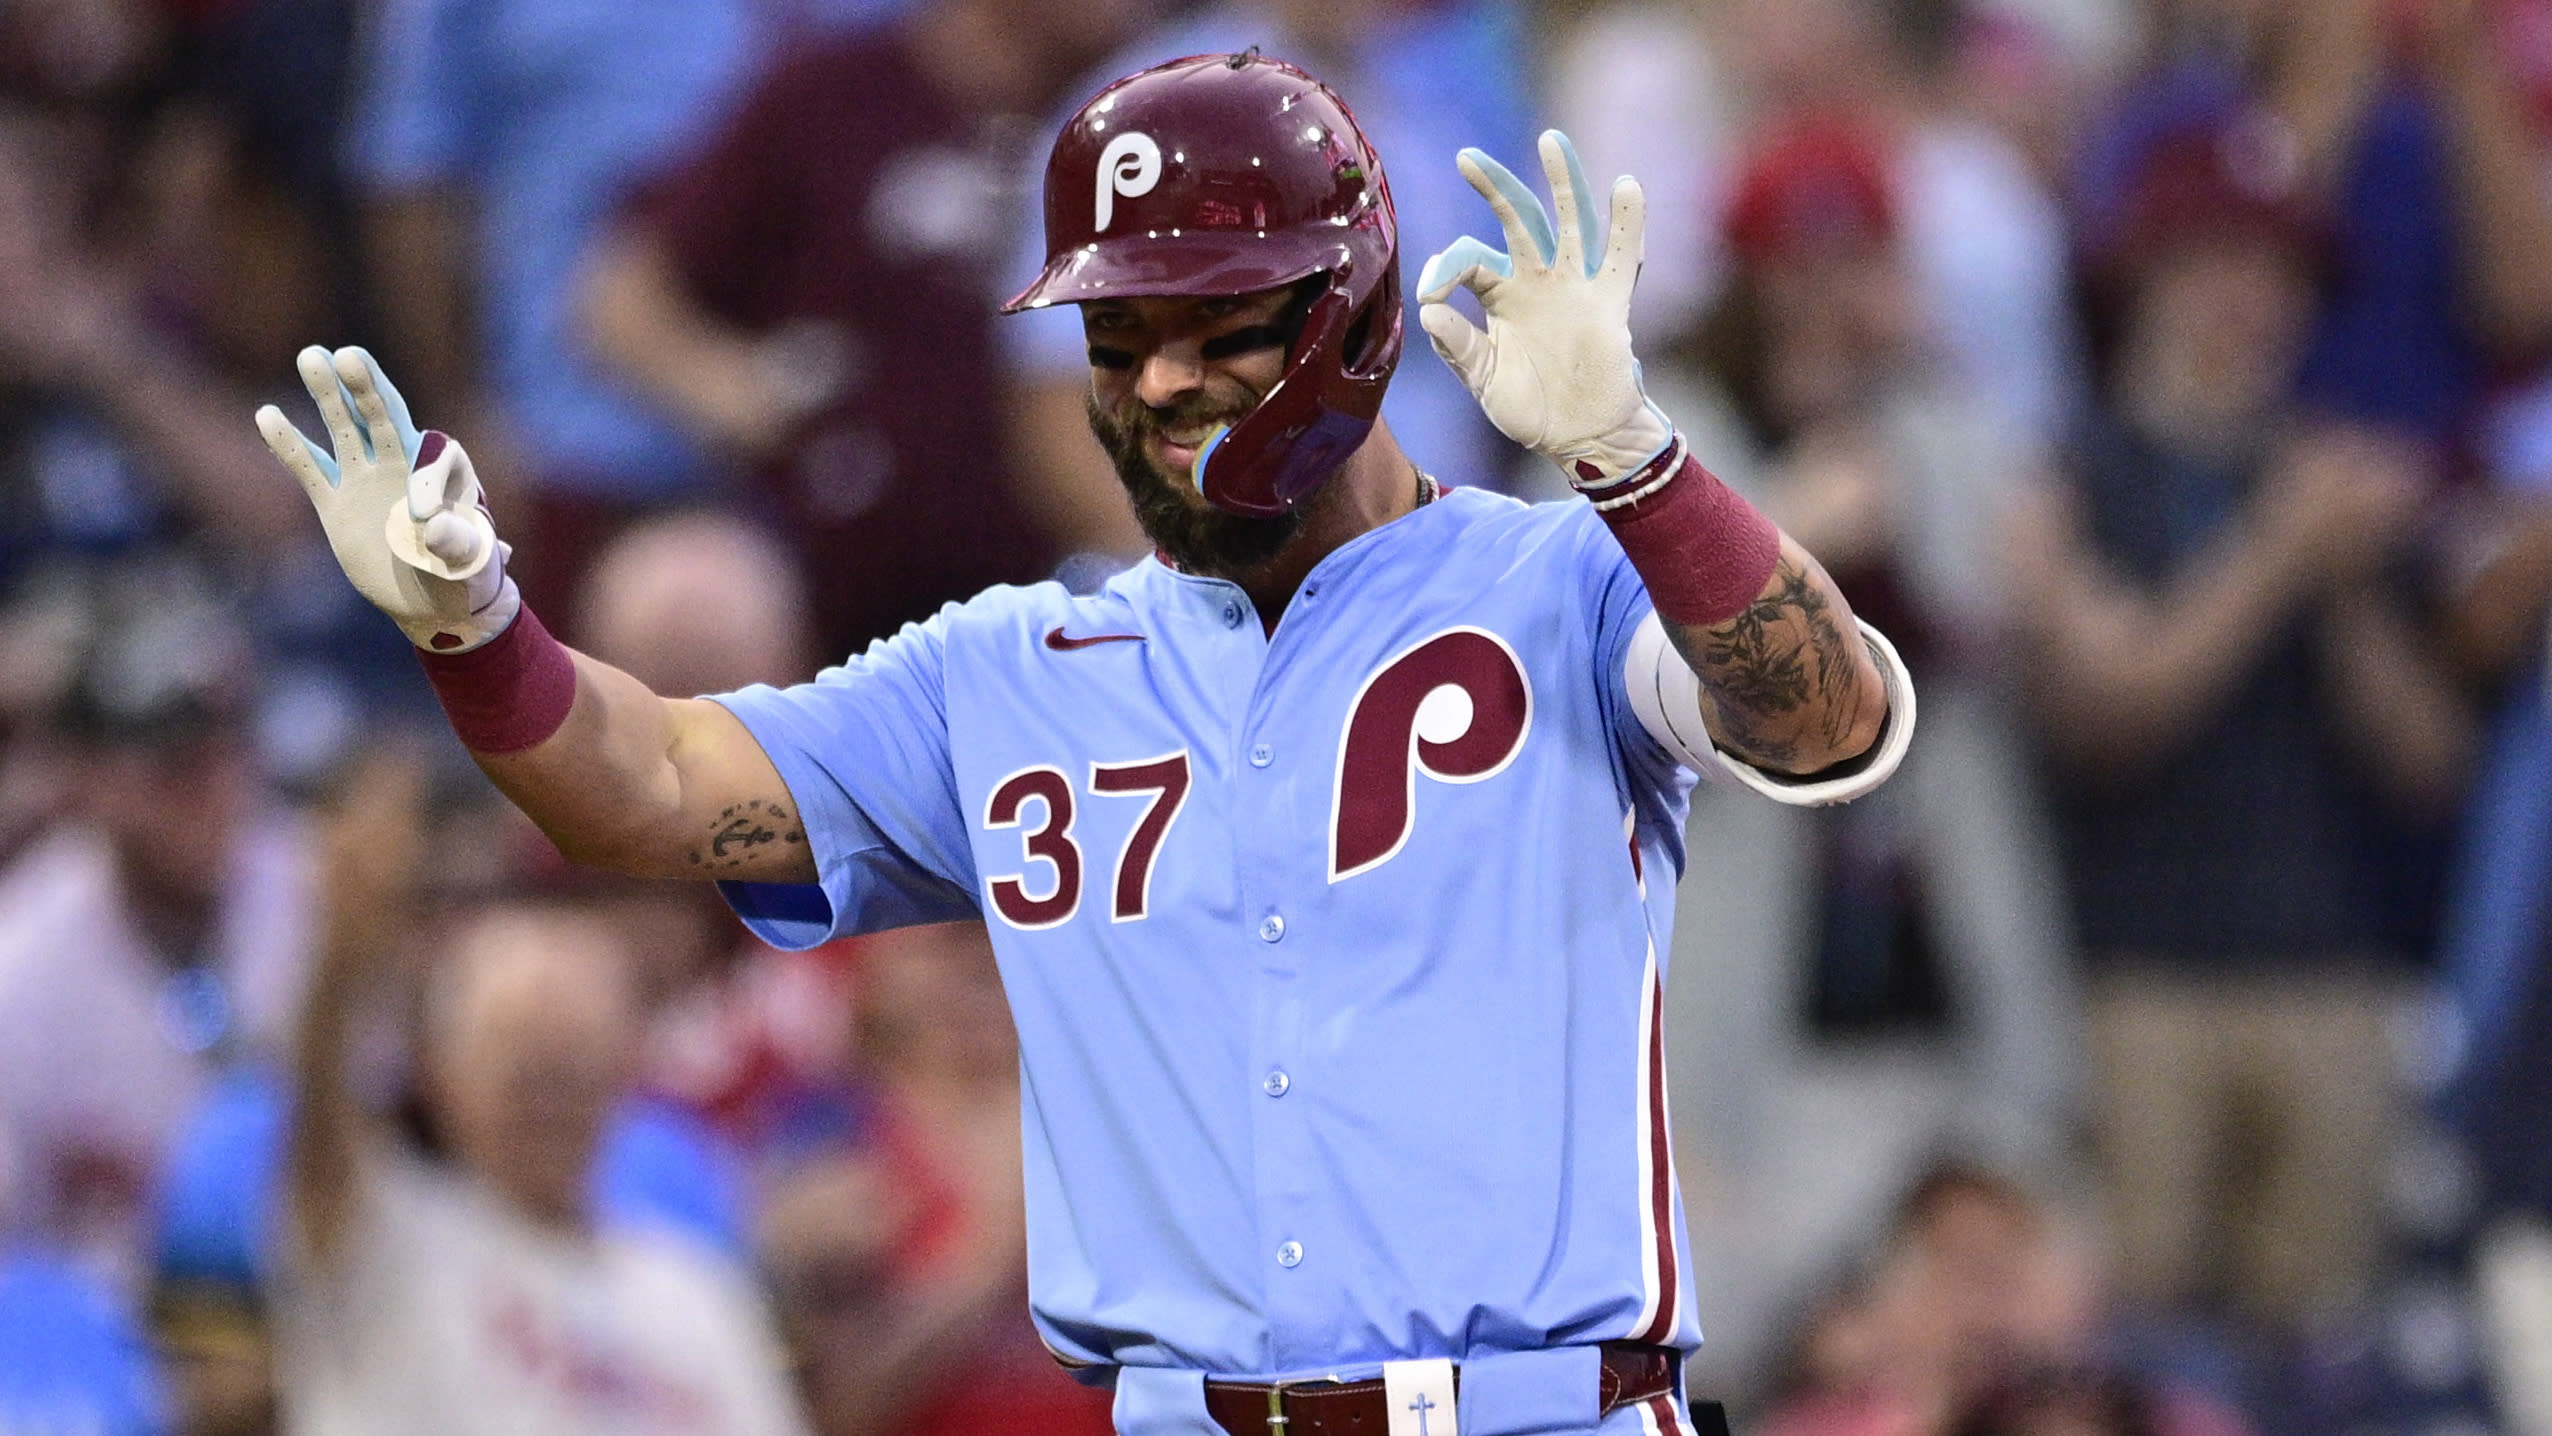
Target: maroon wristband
[509, 693]
[1704, 552]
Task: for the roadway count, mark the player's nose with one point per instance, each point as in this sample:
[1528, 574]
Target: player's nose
[1168, 373]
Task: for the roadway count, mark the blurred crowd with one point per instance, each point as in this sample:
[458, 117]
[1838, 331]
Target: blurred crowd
[2166, 1051]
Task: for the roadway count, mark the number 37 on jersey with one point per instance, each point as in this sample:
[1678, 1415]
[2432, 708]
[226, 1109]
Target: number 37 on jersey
[1454, 708]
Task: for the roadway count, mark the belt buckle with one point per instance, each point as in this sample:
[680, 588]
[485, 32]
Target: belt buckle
[1277, 1420]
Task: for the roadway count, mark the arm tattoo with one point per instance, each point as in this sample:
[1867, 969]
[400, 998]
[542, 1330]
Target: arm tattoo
[1779, 674]
[743, 828]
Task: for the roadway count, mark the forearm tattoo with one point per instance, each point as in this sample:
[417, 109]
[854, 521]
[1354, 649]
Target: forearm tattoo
[1780, 673]
[743, 830]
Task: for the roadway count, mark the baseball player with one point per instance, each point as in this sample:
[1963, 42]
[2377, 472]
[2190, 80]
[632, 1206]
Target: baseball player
[1327, 853]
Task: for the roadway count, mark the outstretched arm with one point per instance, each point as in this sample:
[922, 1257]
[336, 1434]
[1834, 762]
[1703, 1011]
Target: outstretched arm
[655, 787]
[616, 776]
[1786, 681]
[372, 847]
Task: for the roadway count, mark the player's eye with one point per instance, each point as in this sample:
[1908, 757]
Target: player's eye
[1243, 341]
[1103, 357]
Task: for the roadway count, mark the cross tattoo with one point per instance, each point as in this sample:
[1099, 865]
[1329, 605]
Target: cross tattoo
[1422, 1406]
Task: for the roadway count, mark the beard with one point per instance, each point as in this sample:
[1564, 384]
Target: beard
[1194, 534]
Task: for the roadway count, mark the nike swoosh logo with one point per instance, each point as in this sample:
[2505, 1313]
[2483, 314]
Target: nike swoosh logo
[1062, 642]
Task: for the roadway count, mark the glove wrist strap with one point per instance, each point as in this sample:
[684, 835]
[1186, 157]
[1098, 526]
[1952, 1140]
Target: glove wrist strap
[1607, 460]
[1635, 485]
[448, 640]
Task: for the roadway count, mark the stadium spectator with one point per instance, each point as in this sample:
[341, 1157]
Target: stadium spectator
[159, 932]
[490, 142]
[901, 1262]
[114, 428]
[1429, 77]
[2403, 122]
[771, 292]
[167, 225]
[2243, 713]
[476, 1287]
[2496, 946]
[1980, 1315]
[755, 1041]
[1981, 236]
[1925, 922]
[699, 602]
[1888, 463]
[211, 1300]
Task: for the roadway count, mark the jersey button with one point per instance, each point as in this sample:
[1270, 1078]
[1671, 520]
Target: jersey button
[1277, 1083]
[1272, 928]
[1261, 755]
[1290, 1255]
[1231, 615]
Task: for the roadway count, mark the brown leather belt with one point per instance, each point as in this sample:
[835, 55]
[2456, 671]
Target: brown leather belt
[1629, 1372]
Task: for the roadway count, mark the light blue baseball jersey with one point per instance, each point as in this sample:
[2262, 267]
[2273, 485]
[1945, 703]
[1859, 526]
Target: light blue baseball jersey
[1335, 954]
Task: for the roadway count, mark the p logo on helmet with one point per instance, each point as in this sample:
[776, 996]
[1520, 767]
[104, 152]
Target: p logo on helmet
[1129, 166]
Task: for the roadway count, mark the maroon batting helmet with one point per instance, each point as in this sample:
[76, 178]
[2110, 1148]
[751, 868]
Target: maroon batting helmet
[1223, 174]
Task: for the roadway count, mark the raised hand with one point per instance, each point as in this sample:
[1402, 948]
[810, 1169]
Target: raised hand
[1553, 369]
[403, 510]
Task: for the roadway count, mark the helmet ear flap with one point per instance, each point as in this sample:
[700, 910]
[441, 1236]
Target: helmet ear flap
[1295, 439]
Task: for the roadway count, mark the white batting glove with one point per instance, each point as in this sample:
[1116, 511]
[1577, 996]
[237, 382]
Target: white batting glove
[403, 510]
[1554, 370]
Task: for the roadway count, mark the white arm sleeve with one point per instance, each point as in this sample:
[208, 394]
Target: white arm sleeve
[1667, 697]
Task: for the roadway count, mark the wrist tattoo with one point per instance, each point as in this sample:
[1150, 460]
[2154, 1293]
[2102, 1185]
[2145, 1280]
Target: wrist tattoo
[741, 828]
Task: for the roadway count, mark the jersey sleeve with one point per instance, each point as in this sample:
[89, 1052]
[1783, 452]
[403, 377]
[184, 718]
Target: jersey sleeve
[864, 752]
[1660, 786]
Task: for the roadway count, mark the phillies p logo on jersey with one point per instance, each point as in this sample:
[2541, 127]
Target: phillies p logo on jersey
[1455, 707]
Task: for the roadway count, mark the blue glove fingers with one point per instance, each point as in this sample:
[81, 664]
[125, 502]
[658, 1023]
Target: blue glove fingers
[393, 409]
[336, 406]
[1522, 210]
[362, 429]
[1581, 200]
[326, 461]
[1445, 270]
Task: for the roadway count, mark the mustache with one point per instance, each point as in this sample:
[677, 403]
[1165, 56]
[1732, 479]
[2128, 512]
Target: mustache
[1136, 421]
[1177, 519]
